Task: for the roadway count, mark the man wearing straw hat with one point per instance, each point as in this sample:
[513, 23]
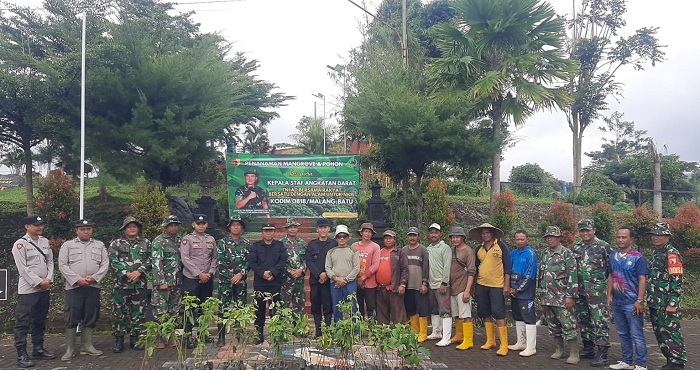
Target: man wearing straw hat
[493, 276]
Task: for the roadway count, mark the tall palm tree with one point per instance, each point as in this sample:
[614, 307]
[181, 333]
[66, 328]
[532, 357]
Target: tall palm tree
[506, 55]
[310, 135]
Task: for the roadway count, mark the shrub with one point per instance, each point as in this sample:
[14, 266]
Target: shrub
[58, 202]
[530, 173]
[641, 219]
[597, 187]
[561, 215]
[150, 207]
[604, 219]
[504, 212]
[435, 205]
[691, 256]
[686, 226]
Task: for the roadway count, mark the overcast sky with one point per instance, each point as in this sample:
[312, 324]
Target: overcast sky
[295, 40]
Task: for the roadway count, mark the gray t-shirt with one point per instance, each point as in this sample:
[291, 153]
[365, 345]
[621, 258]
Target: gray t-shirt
[417, 266]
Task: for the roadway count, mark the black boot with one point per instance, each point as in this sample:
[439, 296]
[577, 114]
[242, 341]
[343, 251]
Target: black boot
[118, 344]
[588, 350]
[317, 323]
[23, 359]
[41, 353]
[260, 338]
[222, 335]
[132, 343]
[601, 358]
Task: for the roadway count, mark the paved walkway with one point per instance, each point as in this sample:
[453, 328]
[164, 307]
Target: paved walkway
[440, 358]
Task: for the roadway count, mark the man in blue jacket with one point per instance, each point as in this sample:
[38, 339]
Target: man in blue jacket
[522, 294]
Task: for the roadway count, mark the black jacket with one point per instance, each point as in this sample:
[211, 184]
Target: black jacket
[316, 252]
[267, 257]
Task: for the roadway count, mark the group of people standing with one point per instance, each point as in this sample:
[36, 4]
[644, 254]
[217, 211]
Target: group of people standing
[577, 287]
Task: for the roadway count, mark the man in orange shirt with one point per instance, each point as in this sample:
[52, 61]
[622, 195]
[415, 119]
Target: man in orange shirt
[392, 278]
[369, 263]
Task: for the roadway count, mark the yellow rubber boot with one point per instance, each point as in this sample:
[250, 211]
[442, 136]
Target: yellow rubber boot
[414, 324]
[422, 328]
[468, 333]
[503, 338]
[490, 329]
[458, 331]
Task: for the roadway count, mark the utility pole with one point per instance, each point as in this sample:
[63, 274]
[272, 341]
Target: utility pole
[402, 39]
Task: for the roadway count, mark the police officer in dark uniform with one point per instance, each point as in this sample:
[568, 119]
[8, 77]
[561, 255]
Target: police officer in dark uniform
[250, 195]
[34, 260]
[319, 283]
[267, 260]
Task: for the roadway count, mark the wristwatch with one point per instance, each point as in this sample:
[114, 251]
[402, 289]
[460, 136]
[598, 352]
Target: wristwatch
[640, 301]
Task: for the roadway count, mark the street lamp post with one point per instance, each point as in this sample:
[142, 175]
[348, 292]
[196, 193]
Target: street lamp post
[323, 120]
[82, 121]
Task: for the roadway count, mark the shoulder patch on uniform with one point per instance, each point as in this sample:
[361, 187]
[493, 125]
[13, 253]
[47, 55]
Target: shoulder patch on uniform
[184, 241]
[675, 266]
[19, 245]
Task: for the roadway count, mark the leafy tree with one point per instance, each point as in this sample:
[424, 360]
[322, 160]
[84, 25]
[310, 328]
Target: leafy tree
[597, 187]
[504, 55]
[626, 141]
[14, 159]
[256, 140]
[310, 135]
[390, 104]
[604, 220]
[594, 28]
[530, 173]
[635, 176]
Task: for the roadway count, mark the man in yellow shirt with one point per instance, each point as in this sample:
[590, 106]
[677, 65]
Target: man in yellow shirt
[493, 274]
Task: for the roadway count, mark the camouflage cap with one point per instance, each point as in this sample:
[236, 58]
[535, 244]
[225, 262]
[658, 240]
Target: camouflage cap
[586, 224]
[291, 221]
[233, 219]
[130, 220]
[661, 228]
[552, 231]
[172, 219]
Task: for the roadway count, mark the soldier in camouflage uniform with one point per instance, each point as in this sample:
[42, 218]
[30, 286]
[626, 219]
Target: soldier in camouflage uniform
[593, 258]
[664, 298]
[128, 257]
[232, 268]
[557, 279]
[293, 294]
[167, 276]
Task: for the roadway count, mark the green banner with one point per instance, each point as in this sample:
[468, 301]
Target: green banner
[305, 186]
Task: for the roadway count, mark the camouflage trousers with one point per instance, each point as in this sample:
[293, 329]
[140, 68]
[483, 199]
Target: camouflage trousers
[128, 311]
[667, 329]
[166, 301]
[229, 293]
[293, 294]
[561, 322]
[593, 320]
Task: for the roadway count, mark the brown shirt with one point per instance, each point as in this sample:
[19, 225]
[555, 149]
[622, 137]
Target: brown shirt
[458, 273]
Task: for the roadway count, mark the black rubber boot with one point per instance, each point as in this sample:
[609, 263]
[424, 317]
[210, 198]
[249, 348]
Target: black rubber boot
[317, 323]
[132, 343]
[588, 350]
[222, 335]
[260, 339]
[118, 344]
[601, 358]
[41, 353]
[23, 359]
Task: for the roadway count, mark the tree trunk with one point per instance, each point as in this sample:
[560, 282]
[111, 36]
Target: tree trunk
[577, 152]
[495, 167]
[658, 205]
[29, 179]
[419, 201]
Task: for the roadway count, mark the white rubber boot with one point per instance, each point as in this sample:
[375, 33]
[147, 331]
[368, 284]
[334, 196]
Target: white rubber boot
[446, 332]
